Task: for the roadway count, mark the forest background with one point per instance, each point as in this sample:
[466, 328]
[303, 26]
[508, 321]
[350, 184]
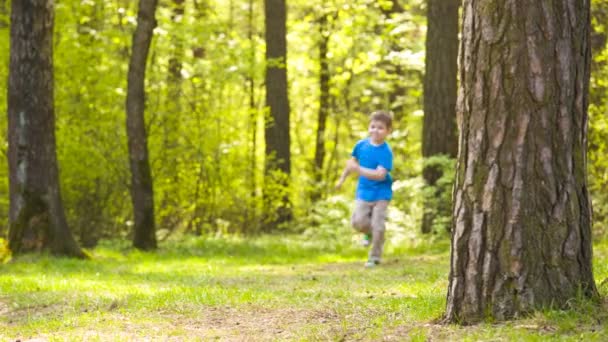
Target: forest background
[205, 124]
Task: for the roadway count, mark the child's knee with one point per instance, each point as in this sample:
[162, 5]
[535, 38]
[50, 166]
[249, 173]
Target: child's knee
[360, 222]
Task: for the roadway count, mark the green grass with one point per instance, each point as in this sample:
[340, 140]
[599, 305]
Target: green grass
[266, 288]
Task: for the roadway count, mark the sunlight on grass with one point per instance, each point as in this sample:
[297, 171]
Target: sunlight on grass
[268, 288]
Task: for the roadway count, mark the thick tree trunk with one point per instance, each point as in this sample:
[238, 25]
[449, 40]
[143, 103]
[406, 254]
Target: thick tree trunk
[521, 234]
[278, 166]
[439, 126]
[36, 218]
[323, 107]
[142, 194]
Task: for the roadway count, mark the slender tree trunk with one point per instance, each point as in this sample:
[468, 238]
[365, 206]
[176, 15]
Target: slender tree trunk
[142, 194]
[521, 233]
[253, 118]
[440, 80]
[278, 159]
[323, 107]
[36, 218]
[174, 83]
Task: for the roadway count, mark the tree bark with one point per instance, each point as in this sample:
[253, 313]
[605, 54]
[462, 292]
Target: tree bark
[252, 212]
[36, 215]
[278, 166]
[521, 232]
[440, 81]
[323, 107]
[142, 194]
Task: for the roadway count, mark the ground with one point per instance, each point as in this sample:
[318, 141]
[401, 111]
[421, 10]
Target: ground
[263, 289]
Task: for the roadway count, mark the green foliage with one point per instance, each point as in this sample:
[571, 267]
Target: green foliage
[90, 44]
[5, 252]
[328, 222]
[598, 119]
[438, 197]
[205, 121]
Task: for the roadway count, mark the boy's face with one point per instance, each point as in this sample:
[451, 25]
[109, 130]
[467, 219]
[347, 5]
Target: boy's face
[378, 131]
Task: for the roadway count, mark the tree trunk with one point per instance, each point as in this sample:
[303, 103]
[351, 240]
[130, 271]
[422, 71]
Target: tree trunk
[142, 194]
[36, 217]
[323, 107]
[521, 233]
[440, 80]
[252, 213]
[278, 167]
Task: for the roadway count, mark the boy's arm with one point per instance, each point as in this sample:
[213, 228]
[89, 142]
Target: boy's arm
[380, 172]
[347, 170]
[374, 174]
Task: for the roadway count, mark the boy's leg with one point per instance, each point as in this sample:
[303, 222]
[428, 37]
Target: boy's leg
[362, 216]
[378, 224]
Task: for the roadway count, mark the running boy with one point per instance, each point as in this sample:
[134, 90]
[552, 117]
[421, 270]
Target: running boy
[372, 159]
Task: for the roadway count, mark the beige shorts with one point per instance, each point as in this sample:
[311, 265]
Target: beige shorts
[370, 218]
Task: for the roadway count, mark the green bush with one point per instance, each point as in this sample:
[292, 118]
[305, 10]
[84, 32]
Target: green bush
[438, 197]
[5, 253]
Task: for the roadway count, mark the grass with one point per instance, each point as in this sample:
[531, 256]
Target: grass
[267, 288]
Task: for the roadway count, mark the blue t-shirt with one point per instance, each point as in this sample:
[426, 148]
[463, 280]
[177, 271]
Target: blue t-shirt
[371, 156]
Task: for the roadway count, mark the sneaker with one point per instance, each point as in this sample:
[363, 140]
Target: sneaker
[372, 263]
[367, 240]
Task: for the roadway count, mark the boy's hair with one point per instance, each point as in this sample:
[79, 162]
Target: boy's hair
[382, 116]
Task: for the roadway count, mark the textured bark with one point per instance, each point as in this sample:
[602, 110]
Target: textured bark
[36, 218]
[440, 81]
[323, 106]
[142, 194]
[277, 122]
[521, 233]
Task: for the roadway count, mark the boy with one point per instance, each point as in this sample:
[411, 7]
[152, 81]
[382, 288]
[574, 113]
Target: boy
[372, 159]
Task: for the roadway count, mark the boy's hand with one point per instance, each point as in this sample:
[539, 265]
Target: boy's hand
[351, 166]
[340, 182]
